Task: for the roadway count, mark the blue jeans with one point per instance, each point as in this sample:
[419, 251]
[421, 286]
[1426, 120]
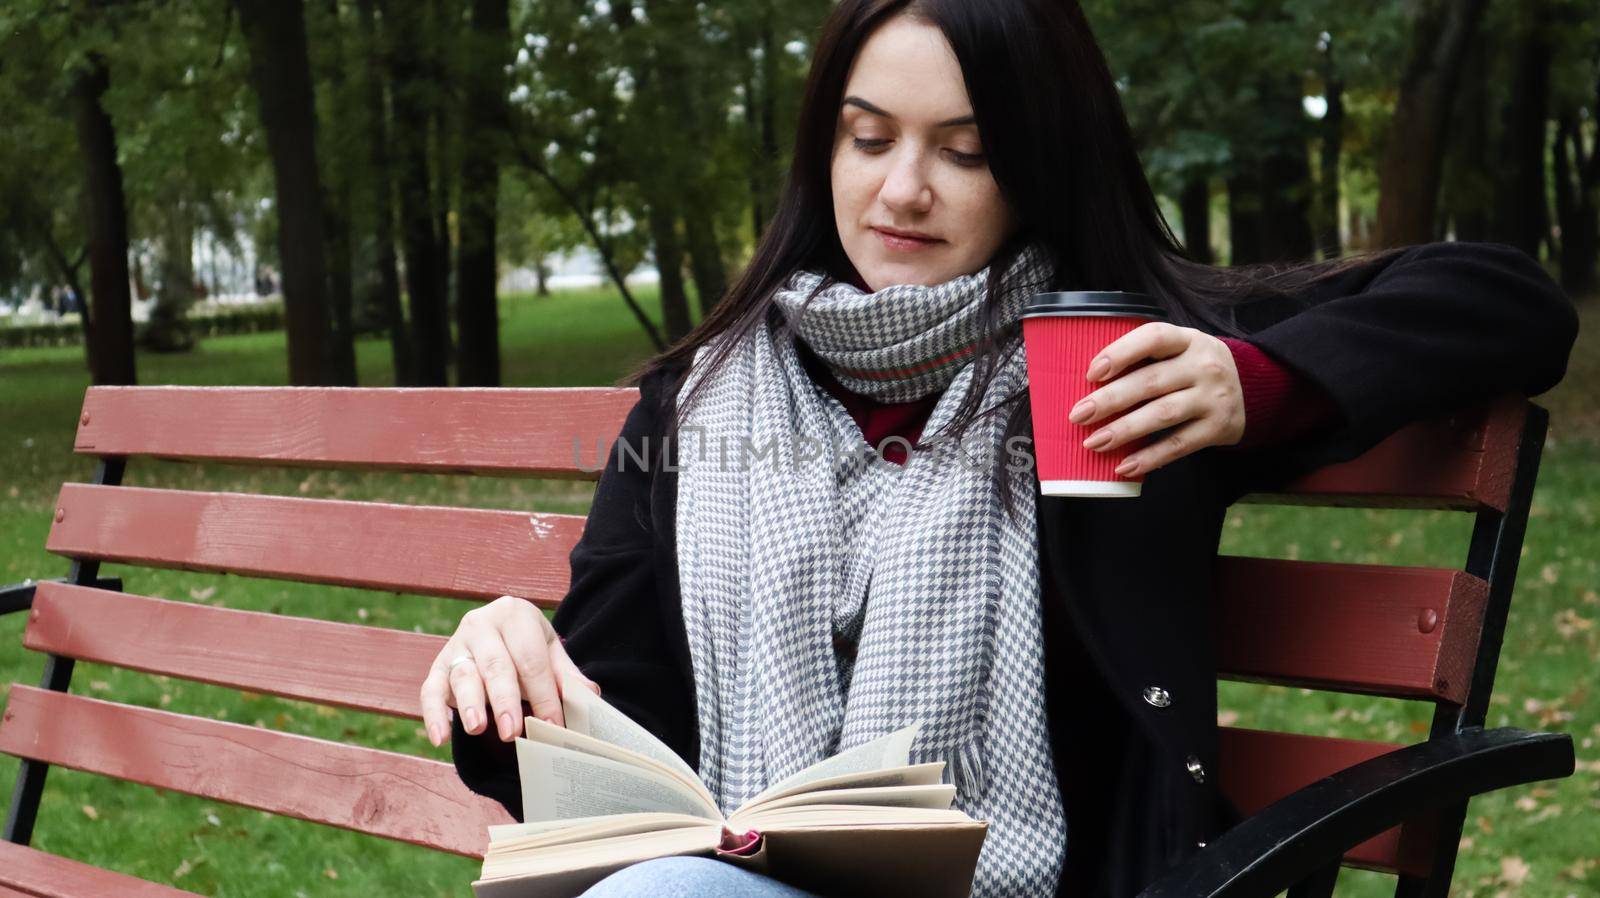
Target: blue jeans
[690, 877]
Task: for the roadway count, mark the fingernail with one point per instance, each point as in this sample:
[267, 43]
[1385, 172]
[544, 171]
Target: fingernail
[1099, 368]
[470, 719]
[1127, 468]
[1081, 412]
[506, 724]
[1097, 441]
[433, 735]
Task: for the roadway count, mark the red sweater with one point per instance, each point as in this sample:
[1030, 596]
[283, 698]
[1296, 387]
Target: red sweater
[1278, 404]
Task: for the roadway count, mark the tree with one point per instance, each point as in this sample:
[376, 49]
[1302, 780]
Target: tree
[416, 96]
[487, 51]
[382, 296]
[281, 71]
[1411, 170]
[108, 320]
[1521, 211]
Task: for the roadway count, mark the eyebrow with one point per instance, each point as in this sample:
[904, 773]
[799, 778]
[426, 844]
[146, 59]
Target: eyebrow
[875, 110]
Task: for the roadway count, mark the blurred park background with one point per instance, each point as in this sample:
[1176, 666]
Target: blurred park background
[544, 192]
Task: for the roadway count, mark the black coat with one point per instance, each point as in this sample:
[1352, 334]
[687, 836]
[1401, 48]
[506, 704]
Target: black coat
[1126, 583]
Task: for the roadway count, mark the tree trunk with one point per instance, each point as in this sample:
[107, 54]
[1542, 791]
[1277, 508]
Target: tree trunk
[275, 31]
[669, 262]
[1410, 171]
[1328, 240]
[1521, 216]
[770, 79]
[1269, 191]
[705, 258]
[485, 125]
[430, 323]
[168, 329]
[1286, 175]
[437, 60]
[385, 298]
[339, 361]
[758, 197]
[1194, 205]
[1244, 217]
[1468, 193]
[108, 311]
[1577, 182]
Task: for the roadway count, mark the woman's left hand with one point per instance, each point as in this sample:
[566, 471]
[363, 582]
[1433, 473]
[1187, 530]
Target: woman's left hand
[1191, 386]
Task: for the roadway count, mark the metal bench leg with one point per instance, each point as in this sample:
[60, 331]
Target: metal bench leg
[24, 807]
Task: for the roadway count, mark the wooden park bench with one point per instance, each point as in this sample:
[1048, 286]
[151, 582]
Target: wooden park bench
[1315, 803]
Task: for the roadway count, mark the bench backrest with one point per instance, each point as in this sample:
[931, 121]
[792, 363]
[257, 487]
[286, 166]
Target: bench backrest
[1423, 634]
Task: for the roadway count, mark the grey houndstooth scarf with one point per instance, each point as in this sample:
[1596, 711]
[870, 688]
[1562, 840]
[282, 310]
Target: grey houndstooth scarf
[776, 552]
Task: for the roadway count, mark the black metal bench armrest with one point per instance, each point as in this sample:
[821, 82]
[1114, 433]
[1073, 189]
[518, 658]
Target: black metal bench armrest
[19, 596]
[1303, 833]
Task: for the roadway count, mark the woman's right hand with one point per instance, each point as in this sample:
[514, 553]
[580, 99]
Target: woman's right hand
[515, 654]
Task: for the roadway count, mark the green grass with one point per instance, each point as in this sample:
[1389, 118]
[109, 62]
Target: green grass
[1541, 840]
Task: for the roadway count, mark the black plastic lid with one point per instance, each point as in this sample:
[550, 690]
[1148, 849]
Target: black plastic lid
[1093, 302]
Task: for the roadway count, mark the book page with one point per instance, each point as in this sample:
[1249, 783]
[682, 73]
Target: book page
[510, 838]
[936, 797]
[927, 774]
[617, 850]
[562, 737]
[559, 784]
[589, 715]
[892, 750]
[853, 815]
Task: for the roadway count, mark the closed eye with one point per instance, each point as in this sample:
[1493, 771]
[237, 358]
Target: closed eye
[872, 145]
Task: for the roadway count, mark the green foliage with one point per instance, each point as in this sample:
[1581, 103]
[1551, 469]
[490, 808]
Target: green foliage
[1192, 71]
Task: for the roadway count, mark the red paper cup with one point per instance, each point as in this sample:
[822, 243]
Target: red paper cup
[1062, 333]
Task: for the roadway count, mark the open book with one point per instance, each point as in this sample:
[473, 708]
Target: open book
[603, 793]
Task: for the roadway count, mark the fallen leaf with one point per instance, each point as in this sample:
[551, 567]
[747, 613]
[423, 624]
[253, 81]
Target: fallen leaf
[90, 812]
[1514, 870]
[331, 873]
[200, 595]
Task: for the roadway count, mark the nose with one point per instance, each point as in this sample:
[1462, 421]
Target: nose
[906, 188]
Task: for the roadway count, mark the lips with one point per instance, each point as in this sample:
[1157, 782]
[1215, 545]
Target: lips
[903, 242]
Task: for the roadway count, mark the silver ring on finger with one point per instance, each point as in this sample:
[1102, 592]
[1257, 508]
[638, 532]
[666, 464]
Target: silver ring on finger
[463, 658]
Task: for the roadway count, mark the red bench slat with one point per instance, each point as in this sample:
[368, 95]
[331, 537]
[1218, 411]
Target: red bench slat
[1398, 631]
[1347, 628]
[1464, 461]
[1259, 767]
[463, 553]
[381, 793]
[348, 665]
[500, 431]
[37, 874]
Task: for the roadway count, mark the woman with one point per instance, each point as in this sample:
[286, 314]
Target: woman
[952, 159]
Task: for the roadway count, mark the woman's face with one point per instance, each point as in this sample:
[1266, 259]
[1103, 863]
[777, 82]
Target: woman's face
[907, 159]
